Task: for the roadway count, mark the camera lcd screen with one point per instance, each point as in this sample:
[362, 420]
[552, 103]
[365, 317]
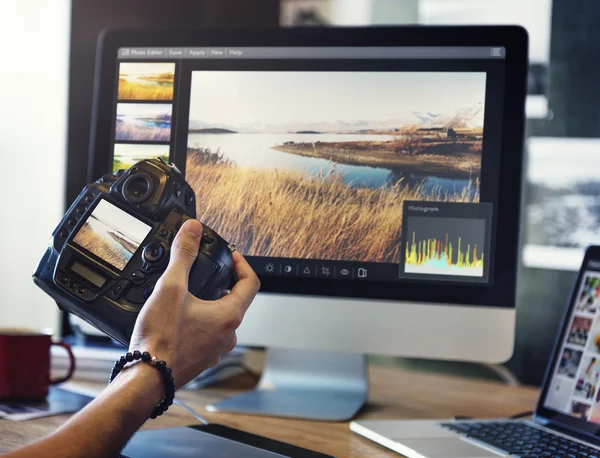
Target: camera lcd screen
[112, 234]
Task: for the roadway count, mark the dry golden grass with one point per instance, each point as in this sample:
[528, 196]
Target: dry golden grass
[141, 91]
[290, 214]
[92, 242]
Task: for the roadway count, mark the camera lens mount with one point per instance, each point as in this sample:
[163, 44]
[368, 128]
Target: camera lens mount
[137, 188]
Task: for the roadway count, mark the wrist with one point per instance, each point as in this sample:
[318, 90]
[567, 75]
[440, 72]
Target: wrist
[143, 380]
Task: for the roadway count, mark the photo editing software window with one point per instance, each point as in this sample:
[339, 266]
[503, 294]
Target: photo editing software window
[373, 164]
[574, 387]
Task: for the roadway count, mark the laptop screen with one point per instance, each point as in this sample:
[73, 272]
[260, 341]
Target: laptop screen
[572, 390]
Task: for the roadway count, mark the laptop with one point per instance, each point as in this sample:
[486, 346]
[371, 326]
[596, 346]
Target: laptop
[566, 422]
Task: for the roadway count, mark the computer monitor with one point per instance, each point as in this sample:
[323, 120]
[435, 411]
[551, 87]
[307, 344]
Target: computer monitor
[371, 176]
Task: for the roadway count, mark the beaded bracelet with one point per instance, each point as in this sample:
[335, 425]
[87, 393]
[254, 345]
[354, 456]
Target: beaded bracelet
[165, 372]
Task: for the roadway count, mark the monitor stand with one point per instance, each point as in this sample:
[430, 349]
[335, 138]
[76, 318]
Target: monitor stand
[313, 385]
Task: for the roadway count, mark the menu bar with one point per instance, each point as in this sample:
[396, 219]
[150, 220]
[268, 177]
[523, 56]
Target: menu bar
[342, 52]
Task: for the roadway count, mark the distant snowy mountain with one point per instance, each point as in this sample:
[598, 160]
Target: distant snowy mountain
[425, 117]
[337, 126]
[464, 117]
[467, 117]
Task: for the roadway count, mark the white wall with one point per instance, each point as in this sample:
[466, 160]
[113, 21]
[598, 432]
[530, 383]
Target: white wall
[33, 122]
[534, 15]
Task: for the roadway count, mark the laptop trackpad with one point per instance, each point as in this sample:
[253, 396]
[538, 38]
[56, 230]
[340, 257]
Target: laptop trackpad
[446, 448]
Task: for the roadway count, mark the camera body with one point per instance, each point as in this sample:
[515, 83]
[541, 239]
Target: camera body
[113, 244]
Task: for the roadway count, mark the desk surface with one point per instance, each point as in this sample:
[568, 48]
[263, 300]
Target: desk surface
[394, 394]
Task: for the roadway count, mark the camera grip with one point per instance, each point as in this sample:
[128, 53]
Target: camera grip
[212, 271]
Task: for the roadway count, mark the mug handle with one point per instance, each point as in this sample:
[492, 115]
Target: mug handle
[71, 370]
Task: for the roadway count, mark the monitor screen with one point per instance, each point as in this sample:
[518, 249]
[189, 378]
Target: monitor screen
[111, 234]
[364, 163]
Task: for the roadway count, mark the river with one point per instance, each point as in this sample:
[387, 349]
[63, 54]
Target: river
[255, 150]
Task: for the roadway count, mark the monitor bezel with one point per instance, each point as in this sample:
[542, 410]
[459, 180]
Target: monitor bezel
[502, 291]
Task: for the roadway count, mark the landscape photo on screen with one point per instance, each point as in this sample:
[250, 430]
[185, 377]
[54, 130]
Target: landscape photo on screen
[316, 165]
[127, 154]
[146, 81]
[143, 122]
[112, 234]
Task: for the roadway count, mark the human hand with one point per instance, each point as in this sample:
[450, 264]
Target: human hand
[188, 333]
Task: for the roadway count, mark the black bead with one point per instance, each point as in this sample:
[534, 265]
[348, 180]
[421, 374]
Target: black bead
[122, 361]
[161, 365]
[153, 416]
[168, 374]
[118, 366]
[146, 357]
[129, 357]
[137, 355]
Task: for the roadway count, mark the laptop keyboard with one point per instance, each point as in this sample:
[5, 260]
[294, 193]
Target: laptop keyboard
[522, 440]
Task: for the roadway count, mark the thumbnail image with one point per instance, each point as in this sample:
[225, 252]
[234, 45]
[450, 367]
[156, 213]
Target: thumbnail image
[144, 122]
[580, 328]
[127, 154]
[588, 378]
[112, 234]
[594, 340]
[146, 81]
[559, 394]
[338, 152]
[445, 246]
[589, 297]
[569, 362]
[580, 410]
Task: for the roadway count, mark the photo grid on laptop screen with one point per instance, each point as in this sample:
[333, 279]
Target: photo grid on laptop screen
[575, 378]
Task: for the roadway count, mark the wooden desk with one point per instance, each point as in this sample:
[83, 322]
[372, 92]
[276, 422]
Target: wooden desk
[395, 394]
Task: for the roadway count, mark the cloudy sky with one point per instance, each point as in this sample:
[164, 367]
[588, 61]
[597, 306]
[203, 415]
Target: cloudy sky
[234, 97]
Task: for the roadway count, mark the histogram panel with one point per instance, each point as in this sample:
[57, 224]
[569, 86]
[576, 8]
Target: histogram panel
[445, 246]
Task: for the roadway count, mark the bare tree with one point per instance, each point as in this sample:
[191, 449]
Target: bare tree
[409, 144]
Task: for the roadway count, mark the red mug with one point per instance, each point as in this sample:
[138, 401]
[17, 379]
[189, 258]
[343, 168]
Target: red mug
[25, 364]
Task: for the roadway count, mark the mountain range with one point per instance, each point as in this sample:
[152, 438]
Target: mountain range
[470, 116]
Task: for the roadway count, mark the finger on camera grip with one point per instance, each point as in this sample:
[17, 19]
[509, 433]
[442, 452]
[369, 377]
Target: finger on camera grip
[184, 250]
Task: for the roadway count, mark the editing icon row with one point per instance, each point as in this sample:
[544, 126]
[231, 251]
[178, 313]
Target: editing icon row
[302, 270]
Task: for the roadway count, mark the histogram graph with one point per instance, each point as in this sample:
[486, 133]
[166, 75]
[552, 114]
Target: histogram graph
[445, 246]
[434, 256]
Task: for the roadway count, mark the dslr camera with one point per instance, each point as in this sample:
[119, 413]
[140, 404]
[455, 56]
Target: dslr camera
[112, 246]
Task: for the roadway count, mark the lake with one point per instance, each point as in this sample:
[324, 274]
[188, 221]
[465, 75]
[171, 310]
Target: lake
[255, 150]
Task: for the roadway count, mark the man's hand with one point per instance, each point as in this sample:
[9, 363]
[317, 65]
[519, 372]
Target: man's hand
[188, 333]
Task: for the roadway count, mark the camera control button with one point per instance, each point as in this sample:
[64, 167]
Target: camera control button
[190, 197]
[116, 290]
[80, 210]
[154, 252]
[81, 290]
[89, 198]
[64, 233]
[72, 285]
[177, 190]
[63, 279]
[163, 232]
[138, 276]
[72, 221]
